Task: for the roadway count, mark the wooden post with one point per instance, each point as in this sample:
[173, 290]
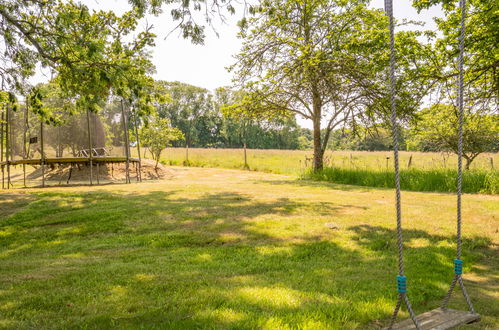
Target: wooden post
[58, 149]
[25, 140]
[409, 163]
[492, 162]
[7, 145]
[70, 173]
[127, 144]
[139, 177]
[89, 134]
[246, 167]
[98, 168]
[59, 166]
[245, 157]
[2, 126]
[42, 160]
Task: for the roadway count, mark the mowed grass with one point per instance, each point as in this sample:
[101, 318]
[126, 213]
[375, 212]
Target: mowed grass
[214, 248]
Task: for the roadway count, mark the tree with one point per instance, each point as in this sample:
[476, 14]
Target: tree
[437, 126]
[190, 110]
[324, 61]
[481, 46]
[90, 53]
[184, 12]
[158, 135]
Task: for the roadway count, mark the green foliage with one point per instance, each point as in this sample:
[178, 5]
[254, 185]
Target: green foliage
[326, 62]
[90, 53]
[481, 44]
[437, 129]
[158, 135]
[185, 12]
[8, 99]
[204, 119]
[374, 138]
[190, 109]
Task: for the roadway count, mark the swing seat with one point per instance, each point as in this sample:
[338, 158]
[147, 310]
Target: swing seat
[439, 319]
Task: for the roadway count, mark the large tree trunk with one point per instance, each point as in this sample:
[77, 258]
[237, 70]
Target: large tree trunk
[318, 153]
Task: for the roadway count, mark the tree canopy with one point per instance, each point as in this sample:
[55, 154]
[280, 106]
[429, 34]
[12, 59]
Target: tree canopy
[325, 61]
[89, 52]
[437, 129]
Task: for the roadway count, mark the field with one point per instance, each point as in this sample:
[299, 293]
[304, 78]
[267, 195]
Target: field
[218, 248]
[296, 162]
[420, 171]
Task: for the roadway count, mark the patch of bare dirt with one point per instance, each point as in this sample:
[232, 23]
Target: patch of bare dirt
[105, 172]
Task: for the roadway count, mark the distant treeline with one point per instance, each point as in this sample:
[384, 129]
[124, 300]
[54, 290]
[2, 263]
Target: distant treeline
[197, 112]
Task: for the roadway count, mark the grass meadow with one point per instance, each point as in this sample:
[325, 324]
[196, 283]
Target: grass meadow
[420, 171]
[232, 249]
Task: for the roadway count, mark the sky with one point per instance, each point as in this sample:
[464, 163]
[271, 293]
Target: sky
[177, 59]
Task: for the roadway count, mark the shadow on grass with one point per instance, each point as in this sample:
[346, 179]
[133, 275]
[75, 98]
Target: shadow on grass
[12, 202]
[155, 260]
[318, 184]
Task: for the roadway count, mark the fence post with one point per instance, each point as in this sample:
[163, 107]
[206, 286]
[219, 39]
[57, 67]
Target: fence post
[138, 145]
[1, 147]
[7, 145]
[409, 162]
[127, 144]
[42, 159]
[90, 147]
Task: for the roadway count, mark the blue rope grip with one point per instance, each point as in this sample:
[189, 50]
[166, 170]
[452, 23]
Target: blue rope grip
[401, 284]
[458, 267]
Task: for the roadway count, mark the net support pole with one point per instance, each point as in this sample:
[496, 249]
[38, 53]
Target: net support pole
[42, 160]
[401, 279]
[25, 140]
[90, 153]
[98, 170]
[136, 124]
[127, 144]
[7, 145]
[2, 127]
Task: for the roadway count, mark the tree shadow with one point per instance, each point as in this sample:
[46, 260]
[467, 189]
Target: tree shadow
[11, 203]
[319, 184]
[158, 260]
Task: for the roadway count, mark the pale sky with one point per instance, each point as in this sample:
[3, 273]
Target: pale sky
[177, 59]
[204, 65]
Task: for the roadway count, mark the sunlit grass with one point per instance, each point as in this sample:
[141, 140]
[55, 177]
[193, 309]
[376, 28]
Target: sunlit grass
[420, 171]
[295, 162]
[214, 248]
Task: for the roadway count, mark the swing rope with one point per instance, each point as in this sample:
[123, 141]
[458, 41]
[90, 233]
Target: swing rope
[458, 263]
[401, 279]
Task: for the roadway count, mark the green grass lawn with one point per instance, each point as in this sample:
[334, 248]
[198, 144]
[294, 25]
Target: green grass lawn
[215, 248]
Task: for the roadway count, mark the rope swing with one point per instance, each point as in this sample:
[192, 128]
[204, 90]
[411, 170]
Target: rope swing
[401, 279]
[441, 318]
[458, 263]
